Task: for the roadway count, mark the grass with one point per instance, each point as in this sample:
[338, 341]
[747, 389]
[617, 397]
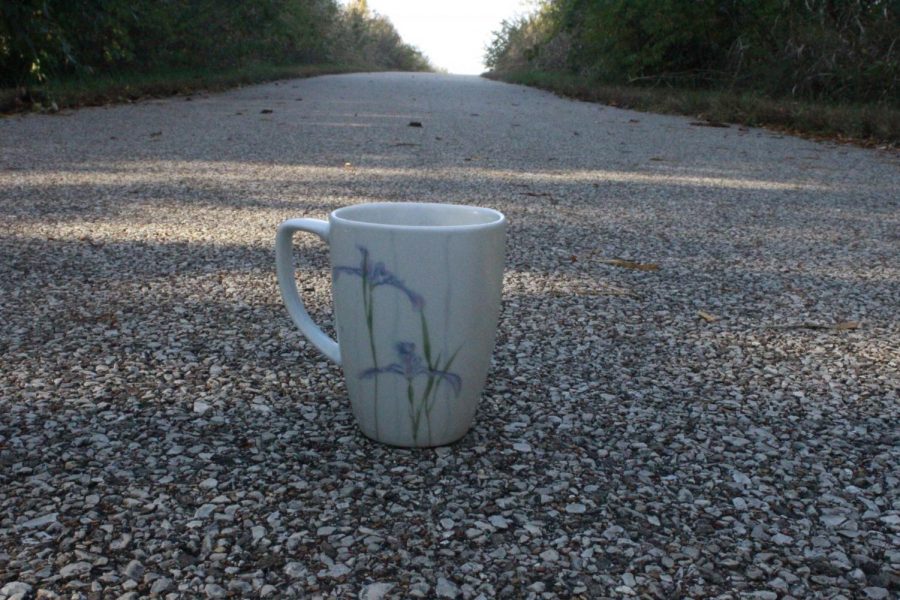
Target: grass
[127, 87]
[875, 125]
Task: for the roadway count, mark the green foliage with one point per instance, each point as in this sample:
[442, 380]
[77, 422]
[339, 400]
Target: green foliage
[42, 40]
[359, 37]
[818, 49]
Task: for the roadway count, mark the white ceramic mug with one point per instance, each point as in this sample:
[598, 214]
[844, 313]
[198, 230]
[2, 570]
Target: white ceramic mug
[416, 291]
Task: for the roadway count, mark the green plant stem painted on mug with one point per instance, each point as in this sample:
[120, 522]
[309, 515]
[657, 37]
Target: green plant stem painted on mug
[369, 306]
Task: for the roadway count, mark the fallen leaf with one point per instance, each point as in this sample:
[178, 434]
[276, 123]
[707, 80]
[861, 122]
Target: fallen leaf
[415, 123]
[842, 326]
[708, 317]
[709, 124]
[91, 242]
[156, 134]
[266, 111]
[629, 264]
[634, 120]
[546, 195]
[589, 288]
[405, 144]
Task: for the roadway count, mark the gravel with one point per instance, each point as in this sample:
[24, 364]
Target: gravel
[694, 391]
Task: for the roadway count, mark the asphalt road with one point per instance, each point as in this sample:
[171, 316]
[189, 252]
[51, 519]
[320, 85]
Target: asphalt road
[694, 390]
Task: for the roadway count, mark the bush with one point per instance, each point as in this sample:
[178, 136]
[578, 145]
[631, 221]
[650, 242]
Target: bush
[811, 49]
[43, 40]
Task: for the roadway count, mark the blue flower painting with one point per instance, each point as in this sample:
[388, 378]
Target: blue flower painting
[411, 366]
[376, 275]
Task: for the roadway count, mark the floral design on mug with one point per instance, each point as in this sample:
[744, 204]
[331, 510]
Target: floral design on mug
[411, 365]
[375, 275]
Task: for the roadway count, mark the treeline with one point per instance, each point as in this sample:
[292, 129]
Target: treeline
[46, 40]
[845, 50]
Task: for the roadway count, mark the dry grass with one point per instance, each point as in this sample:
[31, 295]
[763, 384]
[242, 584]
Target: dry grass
[128, 87]
[864, 124]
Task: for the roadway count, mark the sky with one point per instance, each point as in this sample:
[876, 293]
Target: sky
[451, 33]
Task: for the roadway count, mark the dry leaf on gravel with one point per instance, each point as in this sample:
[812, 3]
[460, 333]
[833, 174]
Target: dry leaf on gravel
[708, 317]
[842, 326]
[709, 124]
[629, 264]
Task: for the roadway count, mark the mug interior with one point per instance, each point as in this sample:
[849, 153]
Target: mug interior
[417, 214]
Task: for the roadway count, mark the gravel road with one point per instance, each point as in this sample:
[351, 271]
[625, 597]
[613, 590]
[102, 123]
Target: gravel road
[694, 390]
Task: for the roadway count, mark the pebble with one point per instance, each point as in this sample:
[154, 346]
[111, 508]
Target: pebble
[163, 584]
[497, 521]
[14, 588]
[550, 555]
[338, 570]
[39, 521]
[446, 589]
[213, 590]
[782, 539]
[376, 591]
[295, 570]
[241, 588]
[134, 570]
[75, 569]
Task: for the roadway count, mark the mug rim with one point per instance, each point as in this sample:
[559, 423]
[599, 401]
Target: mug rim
[499, 219]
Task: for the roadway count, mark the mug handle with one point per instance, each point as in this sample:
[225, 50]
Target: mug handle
[284, 266]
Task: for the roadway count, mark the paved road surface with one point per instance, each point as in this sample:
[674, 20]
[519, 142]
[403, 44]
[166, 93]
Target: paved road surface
[163, 428]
